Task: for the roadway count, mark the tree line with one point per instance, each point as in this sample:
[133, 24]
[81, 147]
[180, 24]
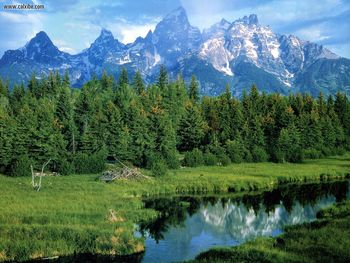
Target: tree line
[161, 125]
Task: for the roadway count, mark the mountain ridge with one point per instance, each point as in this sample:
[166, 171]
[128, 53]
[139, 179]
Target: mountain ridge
[238, 53]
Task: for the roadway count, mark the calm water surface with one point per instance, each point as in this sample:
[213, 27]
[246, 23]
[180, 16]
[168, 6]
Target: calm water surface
[189, 225]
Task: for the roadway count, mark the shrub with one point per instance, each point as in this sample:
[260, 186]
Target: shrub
[81, 163]
[152, 158]
[93, 163]
[159, 168]
[193, 158]
[171, 160]
[312, 153]
[339, 150]
[97, 161]
[247, 156]
[259, 154]
[279, 156]
[210, 159]
[224, 159]
[215, 148]
[21, 166]
[64, 167]
[235, 150]
[297, 156]
[326, 151]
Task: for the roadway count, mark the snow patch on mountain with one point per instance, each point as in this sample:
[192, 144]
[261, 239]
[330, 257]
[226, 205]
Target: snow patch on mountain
[215, 55]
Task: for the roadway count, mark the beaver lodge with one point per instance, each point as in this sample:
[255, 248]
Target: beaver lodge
[122, 173]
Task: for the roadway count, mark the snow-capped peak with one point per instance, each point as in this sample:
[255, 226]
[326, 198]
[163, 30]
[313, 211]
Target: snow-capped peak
[231, 52]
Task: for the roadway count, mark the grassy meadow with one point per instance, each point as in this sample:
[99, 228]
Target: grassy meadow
[80, 214]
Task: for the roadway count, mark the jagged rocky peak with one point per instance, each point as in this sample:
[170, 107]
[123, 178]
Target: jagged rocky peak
[41, 38]
[251, 20]
[106, 41]
[218, 29]
[179, 14]
[41, 48]
[175, 22]
[224, 23]
[174, 34]
[40, 42]
[105, 36]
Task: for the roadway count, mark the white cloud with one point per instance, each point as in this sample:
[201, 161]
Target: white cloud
[64, 46]
[130, 32]
[126, 31]
[340, 49]
[314, 33]
[18, 27]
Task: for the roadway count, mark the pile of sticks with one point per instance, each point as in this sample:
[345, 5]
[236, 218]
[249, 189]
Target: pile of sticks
[122, 173]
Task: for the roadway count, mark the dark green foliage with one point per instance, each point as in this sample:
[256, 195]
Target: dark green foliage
[162, 78]
[259, 154]
[138, 83]
[156, 164]
[64, 167]
[89, 163]
[191, 129]
[235, 150]
[312, 153]
[193, 92]
[289, 148]
[159, 168]
[224, 160]
[210, 159]
[123, 79]
[133, 122]
[193, 158]
[21, 167]
[171, 160]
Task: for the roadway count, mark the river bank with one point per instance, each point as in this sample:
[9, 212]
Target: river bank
[79, 214]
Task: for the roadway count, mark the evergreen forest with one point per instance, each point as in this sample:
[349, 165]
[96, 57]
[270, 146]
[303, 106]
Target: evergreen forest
[160, 126]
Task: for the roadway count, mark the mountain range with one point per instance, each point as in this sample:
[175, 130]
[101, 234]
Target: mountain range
[239, 53]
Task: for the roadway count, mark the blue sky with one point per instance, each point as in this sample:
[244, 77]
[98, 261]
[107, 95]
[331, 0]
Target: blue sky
[74, 24]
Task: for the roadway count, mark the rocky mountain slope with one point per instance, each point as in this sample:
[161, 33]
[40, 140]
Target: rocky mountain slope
[239, 54]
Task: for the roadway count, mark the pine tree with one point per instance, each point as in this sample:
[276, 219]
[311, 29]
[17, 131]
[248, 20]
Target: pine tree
[17, 98]
[193, 92]
[138, 83]
[106, 82]
[66, 80]
[4, 89]
[142, 143]
[191, 129]
[342, 109]
[84, 108]
[163, 135]
[33, 86]
[7, 133]
[162, 78]
[46, 140]
[123, 79]
[113, 128]
[64, 115]
[289, 147]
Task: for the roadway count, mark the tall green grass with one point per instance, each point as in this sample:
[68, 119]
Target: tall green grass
[72, 214]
